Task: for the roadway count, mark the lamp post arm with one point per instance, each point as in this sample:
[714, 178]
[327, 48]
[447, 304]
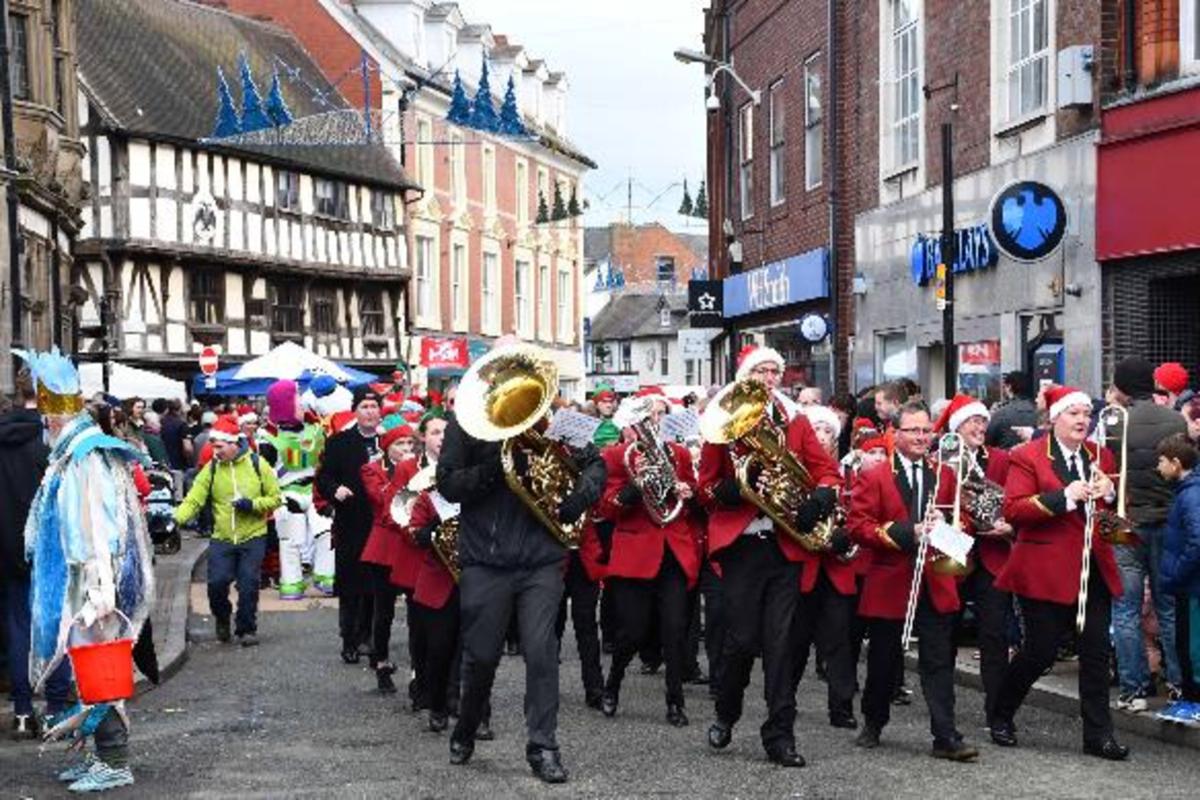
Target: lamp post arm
[755, 95]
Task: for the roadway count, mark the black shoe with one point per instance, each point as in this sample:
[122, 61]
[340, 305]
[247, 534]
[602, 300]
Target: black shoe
[511, 649]
[607, 648]
[844, 720]
[223, 633]
[609, 700]
[1107, 749]
[485, 733]
[650, 669]
[954, 751]
[438, 721]
[248, 639]
[350, 655]
[675, 716]
[902, 696]
[460, 753]
[593, 699]
[1004, 734]
[720, 734]
[383, 677]
[868, 737]
[695, 675]
[547, 766]
[785, 756]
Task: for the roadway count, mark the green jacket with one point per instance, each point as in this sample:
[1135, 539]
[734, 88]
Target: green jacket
[228, 481]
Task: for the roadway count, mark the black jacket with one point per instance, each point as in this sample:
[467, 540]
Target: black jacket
[1147, 496]
[341, 465]
[1018, 412]
[497, 529]
[23, 459]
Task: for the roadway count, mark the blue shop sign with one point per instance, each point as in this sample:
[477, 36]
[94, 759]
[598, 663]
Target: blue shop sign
[781, 283]
[976, 251]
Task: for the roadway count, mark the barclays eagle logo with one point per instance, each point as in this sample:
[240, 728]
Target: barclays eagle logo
[1028, 220]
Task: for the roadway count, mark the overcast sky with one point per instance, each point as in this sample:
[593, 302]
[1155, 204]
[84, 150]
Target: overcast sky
[634, 109]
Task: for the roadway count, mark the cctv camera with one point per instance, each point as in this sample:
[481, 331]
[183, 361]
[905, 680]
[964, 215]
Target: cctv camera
[712, 103]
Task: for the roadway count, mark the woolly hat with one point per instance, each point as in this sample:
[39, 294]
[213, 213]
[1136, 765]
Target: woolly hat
[961, 408]
[1134, 376]
[1060, 398]
[752, 356]
[1172, 376]
[823, 415]
[392, 434]
[281, 402]
[363, 394]
[225, 429]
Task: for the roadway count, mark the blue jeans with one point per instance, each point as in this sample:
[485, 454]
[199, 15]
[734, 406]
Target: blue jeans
[1136, 562]
[241, 562]
[15, 597]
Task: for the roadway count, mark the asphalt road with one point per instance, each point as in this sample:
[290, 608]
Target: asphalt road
[288, 719]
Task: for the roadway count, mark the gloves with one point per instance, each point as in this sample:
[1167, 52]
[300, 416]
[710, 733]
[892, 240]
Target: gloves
[424, 536]
[572, 509]
[728, 492]
[629, 496]
[293, 505]
[244, 504]
[818, 506]
[840, 542]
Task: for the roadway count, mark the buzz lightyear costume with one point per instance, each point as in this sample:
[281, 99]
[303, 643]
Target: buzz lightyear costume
[304, 535]
[89, 553]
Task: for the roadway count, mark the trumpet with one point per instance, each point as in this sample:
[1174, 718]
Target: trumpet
[649, 467]
[1114, 526]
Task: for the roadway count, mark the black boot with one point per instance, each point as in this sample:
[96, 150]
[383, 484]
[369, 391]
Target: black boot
[675, 716]
[383, 677]
[547, 765]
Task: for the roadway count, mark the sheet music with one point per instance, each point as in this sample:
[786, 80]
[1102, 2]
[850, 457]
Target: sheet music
[572, 428]
[951, 541]
[680, 426]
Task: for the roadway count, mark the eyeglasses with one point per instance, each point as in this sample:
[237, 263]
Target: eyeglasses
[765, 371]
[917, 431]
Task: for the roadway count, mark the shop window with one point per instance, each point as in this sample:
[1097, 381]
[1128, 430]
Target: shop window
[287, 311]
[1174, 321]
[896, 359]
[206, 291]
[1028, 57]
[979, 369]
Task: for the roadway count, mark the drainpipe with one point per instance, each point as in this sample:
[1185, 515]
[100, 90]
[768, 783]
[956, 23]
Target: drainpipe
[10, 165]
[831, 195]
[1130, 80]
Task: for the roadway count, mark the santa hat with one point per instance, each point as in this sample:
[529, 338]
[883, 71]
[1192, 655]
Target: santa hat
[752, 356]
[1060, 398]
[873, 442]
[823, 415]
[651, 391]
[225, 429]
[246, 414]
[862, 427]
[961, 408]
[1172, 376]
[604, 395]
[341, 420]
[391, 435]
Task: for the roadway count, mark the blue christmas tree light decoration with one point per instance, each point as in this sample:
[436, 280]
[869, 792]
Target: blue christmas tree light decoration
[276, 107]
[254, 116]
[483, 113]
[460, 104]
[227, 123]
[510, 115]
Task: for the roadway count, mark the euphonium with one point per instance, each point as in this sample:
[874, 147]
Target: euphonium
[501, 398]
[741, 413]
[650, 468]
[445, 546]
[983, 499]
[1112, 525]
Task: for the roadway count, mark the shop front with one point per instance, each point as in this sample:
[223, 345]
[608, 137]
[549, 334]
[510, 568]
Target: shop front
[783, 305]
[443, 360]
[1026, 284]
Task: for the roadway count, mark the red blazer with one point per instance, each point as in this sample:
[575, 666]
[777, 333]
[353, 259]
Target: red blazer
[993, 551]
[591, 553]
[726, 523]
[388, 544]
[1046, 560]
[878, 515]
[841, 573]
[434, 583]
[637, 542]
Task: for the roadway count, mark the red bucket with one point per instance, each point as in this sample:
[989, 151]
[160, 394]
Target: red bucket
[103, 670]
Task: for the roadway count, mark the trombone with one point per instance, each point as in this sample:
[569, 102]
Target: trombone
[1114, 527]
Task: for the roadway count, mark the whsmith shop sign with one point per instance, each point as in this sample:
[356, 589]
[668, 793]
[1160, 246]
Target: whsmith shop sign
[781, 283]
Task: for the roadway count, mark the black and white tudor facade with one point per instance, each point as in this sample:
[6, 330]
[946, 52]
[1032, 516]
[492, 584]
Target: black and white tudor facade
[193, 242]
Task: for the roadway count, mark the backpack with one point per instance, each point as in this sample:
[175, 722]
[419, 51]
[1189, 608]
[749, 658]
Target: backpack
[212, 467]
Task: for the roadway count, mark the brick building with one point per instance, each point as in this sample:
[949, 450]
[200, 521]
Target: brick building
[1150, 138]
[482, 264]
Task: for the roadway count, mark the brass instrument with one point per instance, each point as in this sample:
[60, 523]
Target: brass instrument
[741, 413]
[650, 468]
[983, 499]
[501, 398]
[445, 546]
[1113, 525]
[404, 499]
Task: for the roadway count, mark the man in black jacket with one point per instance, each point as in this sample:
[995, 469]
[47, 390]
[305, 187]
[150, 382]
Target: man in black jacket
[510, 564]
[23, 458]
[1015, 410]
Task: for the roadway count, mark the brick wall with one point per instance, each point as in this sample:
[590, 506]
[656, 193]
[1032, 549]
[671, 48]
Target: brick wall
[636, 250]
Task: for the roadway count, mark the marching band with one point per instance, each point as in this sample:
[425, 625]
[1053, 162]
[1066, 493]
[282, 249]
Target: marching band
[503, 517]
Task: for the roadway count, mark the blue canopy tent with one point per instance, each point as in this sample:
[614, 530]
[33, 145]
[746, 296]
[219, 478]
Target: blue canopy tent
[230, 386]
[288, 361]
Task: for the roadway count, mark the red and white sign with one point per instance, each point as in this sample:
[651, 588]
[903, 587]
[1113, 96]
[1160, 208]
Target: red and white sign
[985, 353]
[209, 359]
[444, 353]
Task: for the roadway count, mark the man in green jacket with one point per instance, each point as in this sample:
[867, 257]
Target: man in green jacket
[242, 491]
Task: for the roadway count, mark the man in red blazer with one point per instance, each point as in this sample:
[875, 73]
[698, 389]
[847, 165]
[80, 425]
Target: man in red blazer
[1050, 483]
[969, 418]
[651, 567]
[759, 571]
[887, 513]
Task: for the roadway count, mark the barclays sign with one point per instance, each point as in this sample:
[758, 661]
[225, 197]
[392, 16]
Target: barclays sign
[976, 250]
[781, 283]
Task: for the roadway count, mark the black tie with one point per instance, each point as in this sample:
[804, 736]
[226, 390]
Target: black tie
[1073, 467]
[916, 493]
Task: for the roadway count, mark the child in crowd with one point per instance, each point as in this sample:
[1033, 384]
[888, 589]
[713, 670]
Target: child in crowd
[1179, 571]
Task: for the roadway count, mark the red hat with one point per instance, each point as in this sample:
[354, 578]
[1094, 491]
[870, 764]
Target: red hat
[1172, 376]
[872, 442]
[962, 407]
[381, 388]
[246, 414]
[650, 391]
[752, 356]
[225, 429]
[1060, 398]
[399, 432]
[342, 420]
[604, 395]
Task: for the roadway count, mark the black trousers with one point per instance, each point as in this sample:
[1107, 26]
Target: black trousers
[761, 592]
[355, 592]
[383, 607]
[441, 646]
[583, 594]
[935, 662]
[489, 597]
[1046, 625]
[705, 600]
[825, 616]
[992, 607]
[418, 648]
[638, 603]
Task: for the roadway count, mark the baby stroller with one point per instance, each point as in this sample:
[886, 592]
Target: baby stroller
[160, 512]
